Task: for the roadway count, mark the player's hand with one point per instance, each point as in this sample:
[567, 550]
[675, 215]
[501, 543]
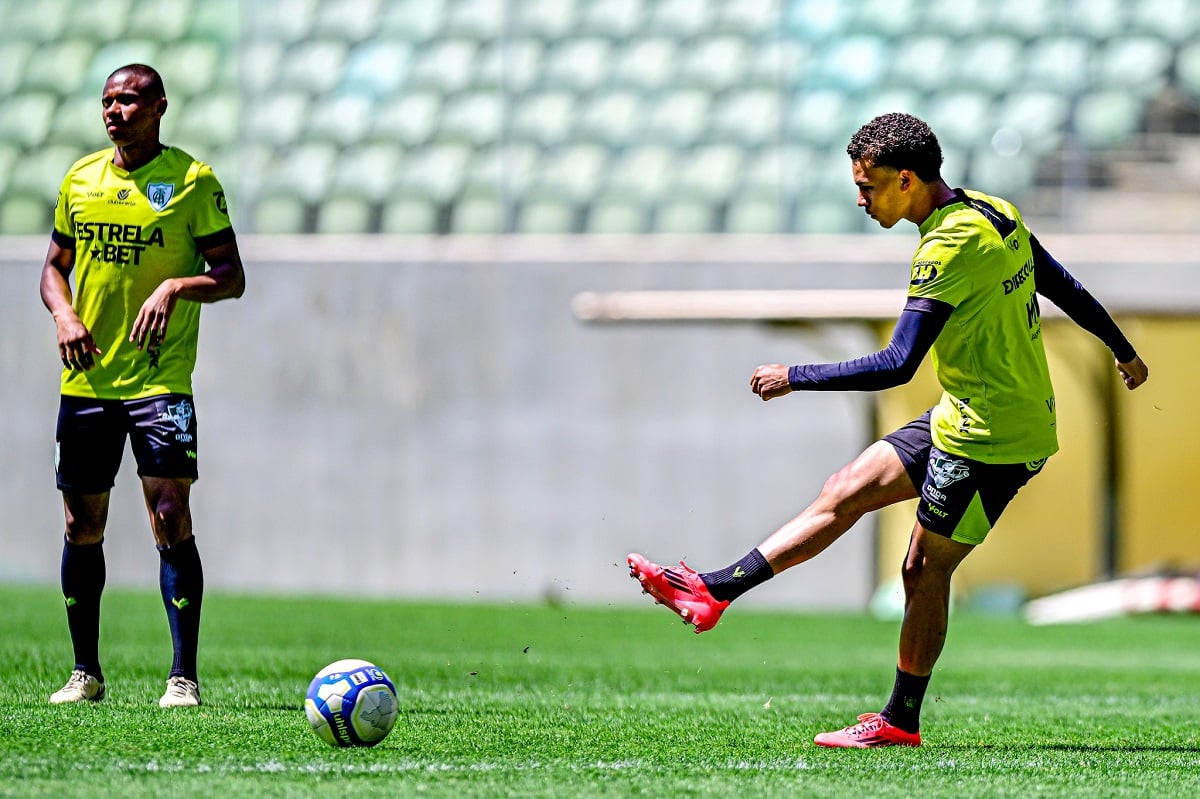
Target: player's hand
[770, 381]
[75, 345]
[1134, 372]
[155, 313]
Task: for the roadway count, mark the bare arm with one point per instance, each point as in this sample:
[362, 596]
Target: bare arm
[224, 279]
[75, 345]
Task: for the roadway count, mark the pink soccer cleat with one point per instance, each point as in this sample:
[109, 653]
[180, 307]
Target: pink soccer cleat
[681, 590]
[871, 731]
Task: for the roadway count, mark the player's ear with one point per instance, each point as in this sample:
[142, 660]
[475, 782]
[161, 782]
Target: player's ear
[906, 179]
[162, 105]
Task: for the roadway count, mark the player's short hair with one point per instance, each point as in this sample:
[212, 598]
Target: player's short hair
[154, 81]
[900, 141]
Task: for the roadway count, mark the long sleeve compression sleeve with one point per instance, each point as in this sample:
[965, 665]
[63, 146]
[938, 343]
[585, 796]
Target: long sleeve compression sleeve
[1057, 285]
[916, 330]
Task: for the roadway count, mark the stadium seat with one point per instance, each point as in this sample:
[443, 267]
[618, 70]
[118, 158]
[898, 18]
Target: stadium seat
[961, 118]
[749, 118]
[611, 118]
[1137, 64]
[350, 21]
[541, 212]
[708, 172]
[510, 167]
[852, 63]
[746, 18]
[25, 214]
[9, 154]
[189, 67]
[1008, 176]
[60, 68]
[14, 55]
[714, 63]
[344, 214]
[1107, 118]
[27, 117]
[986, 62]
[277, 119]
[303, 171]
[475, 118]
[616, 20]
[924, 61]
[210, 120]
[77, 122]
[1176, 21]
[417, 21]
[820, 118]
[642, 172]
[955, 18]
[1098, 20]
[34, 23]
[479, 211]
[578, 64]
[1061, 64]
[889, 18]
[311, 65]
[408, 119]
[339, 117]
[103, 20]
[286, 21]
[618, 212]
[817, 20]
[160, 20]
[444, 65]
[280, 213]
[512, 66]
[755, 212]
[261, 60]
[378, 67]
[437, 171]
[215, 20]
[1040, 117]
[677, 119]
[481, 20]
[544, 118]
[39, 173]
[114, 55]
[828, 215]
[1187, 69]
[683, 214]
[646, 64]
[1027, 20]
[409, 213]
[367, 171]
[680, 19]
[888, 100]
[777, 168]
[574, 172]
[777, 62]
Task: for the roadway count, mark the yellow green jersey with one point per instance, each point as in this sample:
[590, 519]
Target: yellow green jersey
[131, 231]
[997, 404]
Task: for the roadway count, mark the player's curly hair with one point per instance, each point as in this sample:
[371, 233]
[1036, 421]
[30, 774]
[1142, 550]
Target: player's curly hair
[900, 141]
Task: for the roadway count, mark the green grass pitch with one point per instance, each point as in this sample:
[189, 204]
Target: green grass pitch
[540, 701]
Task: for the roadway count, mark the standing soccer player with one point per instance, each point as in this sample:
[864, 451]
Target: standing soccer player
[972, 301]
[147, 233]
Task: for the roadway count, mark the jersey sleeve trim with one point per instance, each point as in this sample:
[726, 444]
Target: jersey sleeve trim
[214, 239]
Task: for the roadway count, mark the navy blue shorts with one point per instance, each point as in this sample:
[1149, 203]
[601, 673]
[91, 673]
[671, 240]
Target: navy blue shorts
[91, 440]
[960, 498]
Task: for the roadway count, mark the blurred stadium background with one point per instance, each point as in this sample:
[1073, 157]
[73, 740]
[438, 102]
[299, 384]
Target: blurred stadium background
[403, 401]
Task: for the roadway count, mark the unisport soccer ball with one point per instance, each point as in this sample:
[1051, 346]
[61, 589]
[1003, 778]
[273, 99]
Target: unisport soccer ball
[351, 703]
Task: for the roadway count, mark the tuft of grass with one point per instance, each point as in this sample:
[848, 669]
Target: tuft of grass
[552, 701]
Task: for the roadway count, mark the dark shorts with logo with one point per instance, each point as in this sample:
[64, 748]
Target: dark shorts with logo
[960, 498]
[91, 440]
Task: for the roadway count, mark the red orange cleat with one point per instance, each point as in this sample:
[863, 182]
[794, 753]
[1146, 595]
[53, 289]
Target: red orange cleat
[681, 590]
[872, 730]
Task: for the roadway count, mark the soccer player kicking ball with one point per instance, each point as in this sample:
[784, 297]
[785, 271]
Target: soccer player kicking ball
[973, 302]
[145, 229]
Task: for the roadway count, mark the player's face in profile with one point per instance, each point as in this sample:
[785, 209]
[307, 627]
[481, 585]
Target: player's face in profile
[131, 110]
[879, 192]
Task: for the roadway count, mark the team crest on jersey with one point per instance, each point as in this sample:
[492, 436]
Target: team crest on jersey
[948, 470]
[181, 414]
[159, 194]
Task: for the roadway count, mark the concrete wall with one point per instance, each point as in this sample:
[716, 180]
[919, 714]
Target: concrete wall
[418, 422]
[427, 418]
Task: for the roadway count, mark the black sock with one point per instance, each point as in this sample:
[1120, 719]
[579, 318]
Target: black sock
[181, 580]
[82, 579]
[730, 583]
[904, 708]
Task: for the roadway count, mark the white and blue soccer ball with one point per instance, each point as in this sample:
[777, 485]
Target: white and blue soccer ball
[351, 703]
